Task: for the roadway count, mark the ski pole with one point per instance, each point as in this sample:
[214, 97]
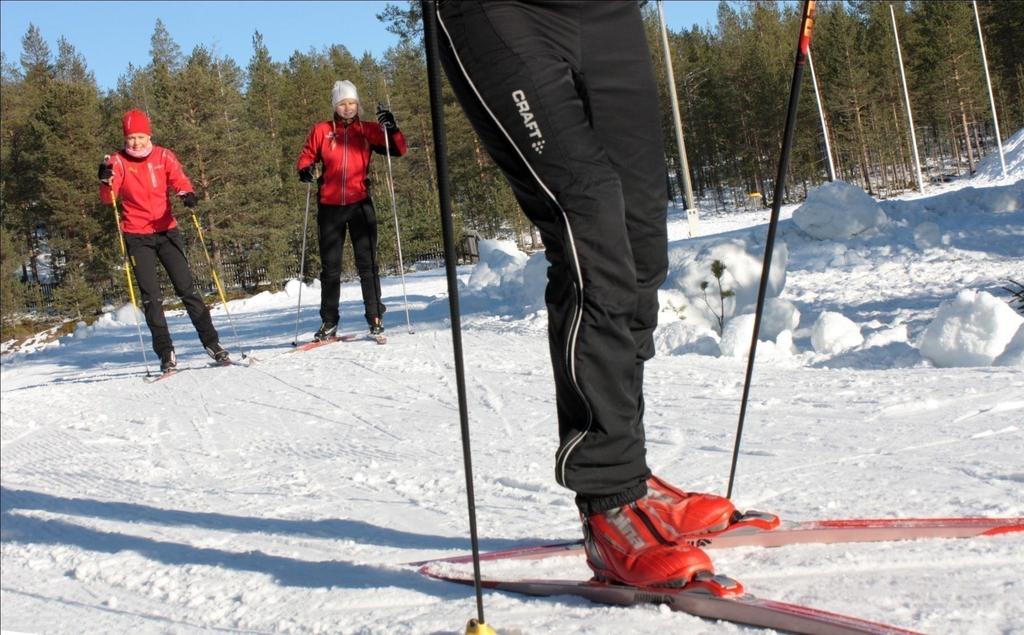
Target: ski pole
[429, 10]
[216, 281]
[128, 273]
[394, 212]
[803, 45]
[302, 264]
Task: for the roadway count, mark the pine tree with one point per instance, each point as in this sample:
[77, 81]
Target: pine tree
[27, 159]
[68, 124]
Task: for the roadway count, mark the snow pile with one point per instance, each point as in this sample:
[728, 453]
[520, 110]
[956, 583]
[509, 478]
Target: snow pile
[499, 271]
[971, 330]
[834, 333]
[989, 168]
[112, 320]
[680, 337]
[1013, 355]
[292, 287]
[838, 211]
[779, 315]
[690, 266]
[739, 331]
[535, 280]
[507, 277]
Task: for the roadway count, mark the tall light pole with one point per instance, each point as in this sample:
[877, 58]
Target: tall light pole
[692, 215]
[821, 115]
[988, 81]
[906, 99]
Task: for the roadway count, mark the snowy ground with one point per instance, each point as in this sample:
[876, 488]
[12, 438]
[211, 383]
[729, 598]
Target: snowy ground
[285, 497]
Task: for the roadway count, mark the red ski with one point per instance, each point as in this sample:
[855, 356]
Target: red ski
[315, 344]
[722, 598]
[355, 337]
[754, 530]
[714, 597]
[152, 379]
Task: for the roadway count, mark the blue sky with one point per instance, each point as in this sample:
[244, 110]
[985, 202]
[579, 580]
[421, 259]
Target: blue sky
[111, 34]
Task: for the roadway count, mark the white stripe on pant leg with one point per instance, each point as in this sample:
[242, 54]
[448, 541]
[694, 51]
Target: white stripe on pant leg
[562, 456]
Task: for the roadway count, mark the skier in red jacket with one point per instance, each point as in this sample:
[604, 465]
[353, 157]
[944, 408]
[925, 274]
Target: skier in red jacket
[140, 176]
[563, 96]
[343, 146]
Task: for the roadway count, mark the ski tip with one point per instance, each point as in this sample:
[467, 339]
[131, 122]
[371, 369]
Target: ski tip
[152, 379]
[1005, 529]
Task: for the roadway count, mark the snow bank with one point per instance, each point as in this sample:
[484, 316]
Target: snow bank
[928, 235]
[838, 211]
[950, 208]
[989, 168]
[971, 330]
[834, 333]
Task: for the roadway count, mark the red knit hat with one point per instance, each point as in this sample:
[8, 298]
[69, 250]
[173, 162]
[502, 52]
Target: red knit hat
[134, 122]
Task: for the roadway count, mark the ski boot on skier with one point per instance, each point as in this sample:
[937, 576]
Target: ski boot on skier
[643, 542]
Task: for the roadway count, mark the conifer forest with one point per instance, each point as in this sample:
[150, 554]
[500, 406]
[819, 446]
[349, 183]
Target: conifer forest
[237, 127]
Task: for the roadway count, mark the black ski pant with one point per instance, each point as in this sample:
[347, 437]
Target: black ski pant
[169, 248]
[562, 95]
[360, 221]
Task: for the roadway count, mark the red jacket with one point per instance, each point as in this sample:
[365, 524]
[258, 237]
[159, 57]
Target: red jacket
[347, 159]
[141, 187]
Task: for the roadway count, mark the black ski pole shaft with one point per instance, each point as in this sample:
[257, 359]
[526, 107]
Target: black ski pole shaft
[429, 9]
[803, 45]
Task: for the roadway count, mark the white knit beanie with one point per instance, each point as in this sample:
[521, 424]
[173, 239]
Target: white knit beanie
[343, 89]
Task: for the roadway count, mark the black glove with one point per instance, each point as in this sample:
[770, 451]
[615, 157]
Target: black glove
[386, 119]
[106, 172]
[189, 200]
[306, 174]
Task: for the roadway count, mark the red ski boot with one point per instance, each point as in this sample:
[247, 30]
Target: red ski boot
[688, 513]
[627, 545]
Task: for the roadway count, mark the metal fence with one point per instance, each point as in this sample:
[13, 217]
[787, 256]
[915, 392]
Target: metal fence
[239, 275]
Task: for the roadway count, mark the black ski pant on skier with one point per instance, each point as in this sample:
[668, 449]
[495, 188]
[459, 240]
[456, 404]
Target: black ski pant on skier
[572, 120]
[360, 221]
[169, 248]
